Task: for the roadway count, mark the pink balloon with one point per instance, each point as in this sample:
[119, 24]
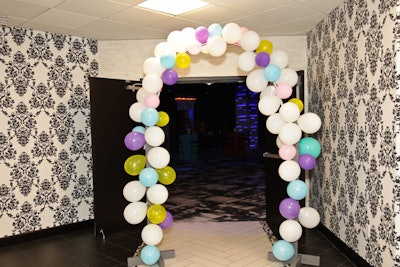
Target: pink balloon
[283, 91]
[152, 101]
[201, 34]
[287, 152]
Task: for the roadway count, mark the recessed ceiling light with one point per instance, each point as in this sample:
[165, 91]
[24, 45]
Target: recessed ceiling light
[173, 7]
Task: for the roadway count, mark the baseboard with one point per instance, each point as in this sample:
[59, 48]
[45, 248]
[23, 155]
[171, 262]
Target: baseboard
[12, 240]
[346, 250]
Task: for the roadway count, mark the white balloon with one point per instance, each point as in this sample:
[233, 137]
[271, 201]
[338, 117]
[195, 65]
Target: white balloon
[162, 49]
[158, 157]
[269, 90]
[289, 170]
[279, 58]
[152, 65]
[247, 61]
[152, 83]
[256, 81]
[288, 76]
[231, 33]
[274, 123]
[309, 217]
[135, 111]
[176, 40]
[134, 191]
[216, 46]
[249, 41]
[290, 133]
[141, 95]
[290, 230]
[152, 234]
[135, 212]
[278, 142]
[154, 136]
[309, 122]
[157, 194]
[289, 112]
[269, 105]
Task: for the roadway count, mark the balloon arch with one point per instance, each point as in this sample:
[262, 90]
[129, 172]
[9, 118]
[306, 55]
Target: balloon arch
[268, 75]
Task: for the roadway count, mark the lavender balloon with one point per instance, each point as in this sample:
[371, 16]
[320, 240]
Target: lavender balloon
[169, 220]
[307, 162]
[169, 76]
[134, 141]
[201, 34]
[289, 208]
[262, 59]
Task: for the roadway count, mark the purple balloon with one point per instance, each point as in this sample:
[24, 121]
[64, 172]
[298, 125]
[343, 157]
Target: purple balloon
[307, 162]
[262, 59]
[289, 208]
[168, 221]
[169, 76]
[134, 140]
[201, 34]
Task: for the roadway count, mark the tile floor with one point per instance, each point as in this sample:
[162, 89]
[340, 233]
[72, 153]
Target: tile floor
[212, 190]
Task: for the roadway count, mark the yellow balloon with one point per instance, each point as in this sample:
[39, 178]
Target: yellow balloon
[163, 119]
[135, 164]
[265, 46]
[156, 213]
[166, 175]
[182, 60]
[298, 102]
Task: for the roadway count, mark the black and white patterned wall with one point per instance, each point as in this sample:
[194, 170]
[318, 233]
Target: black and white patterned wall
[45, 142]
[353, 86]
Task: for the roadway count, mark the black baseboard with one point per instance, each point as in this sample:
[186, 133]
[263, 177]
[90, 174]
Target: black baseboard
[346, 250]
[12, 240]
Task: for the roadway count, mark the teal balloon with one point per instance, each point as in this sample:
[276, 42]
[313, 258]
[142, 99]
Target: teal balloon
[309, 145]
[149, 116]
[139, 129]
[215, 29]
[272, 73]
[283, 250]
[150, 255]
[148, 177]
[297, 189]
[167, 61]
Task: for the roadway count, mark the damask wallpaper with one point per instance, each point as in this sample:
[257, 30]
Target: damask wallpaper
[45, 142]
[353, 86]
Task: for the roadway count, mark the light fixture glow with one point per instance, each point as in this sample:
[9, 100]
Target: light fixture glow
[173, 7]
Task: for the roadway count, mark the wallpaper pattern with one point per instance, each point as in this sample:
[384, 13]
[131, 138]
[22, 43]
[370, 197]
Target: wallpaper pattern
[45, 146]
[352, 83]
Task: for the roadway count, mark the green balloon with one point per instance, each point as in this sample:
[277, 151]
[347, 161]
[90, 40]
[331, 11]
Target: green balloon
[309, 145]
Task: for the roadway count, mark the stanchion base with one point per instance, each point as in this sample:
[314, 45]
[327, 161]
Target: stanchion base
[297, 260]
[164, 255]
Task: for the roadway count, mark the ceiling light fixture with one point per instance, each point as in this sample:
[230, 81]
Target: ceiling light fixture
[173, 7]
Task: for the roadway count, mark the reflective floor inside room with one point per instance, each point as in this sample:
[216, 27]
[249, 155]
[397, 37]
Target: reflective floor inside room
[224, 192]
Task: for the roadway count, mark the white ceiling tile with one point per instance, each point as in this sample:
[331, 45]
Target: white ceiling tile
[95, 8]
[20, 10]
[63, 19]
[287, 13]
[323, 6]
[256, 6]
[139, 17]
[250, 21]
[44, 3]
[212, 14]
[175, 24]
[144, 33]
[106, 26]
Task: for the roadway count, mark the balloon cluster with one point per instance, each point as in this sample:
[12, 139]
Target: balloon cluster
[152, 171]
[268, 75]
[298, 153]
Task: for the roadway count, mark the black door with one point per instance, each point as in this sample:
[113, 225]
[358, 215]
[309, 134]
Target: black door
[110, 122]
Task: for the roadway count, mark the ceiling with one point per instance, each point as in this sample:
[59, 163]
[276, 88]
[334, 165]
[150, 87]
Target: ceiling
[121, 20]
